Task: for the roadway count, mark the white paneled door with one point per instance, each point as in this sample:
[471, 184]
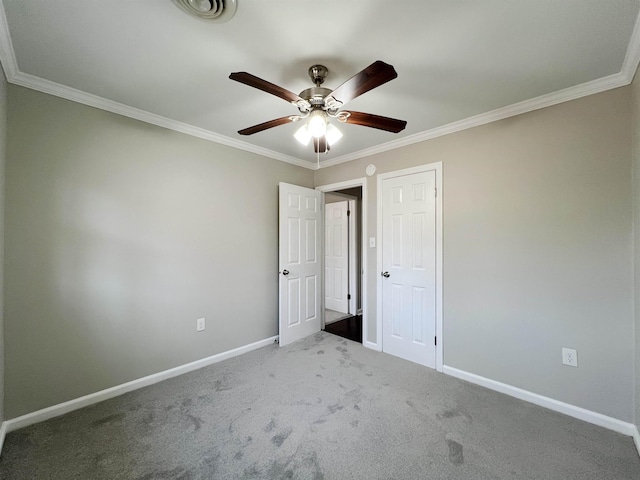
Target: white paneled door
[336, 260]
[409, 267]
[300, 230]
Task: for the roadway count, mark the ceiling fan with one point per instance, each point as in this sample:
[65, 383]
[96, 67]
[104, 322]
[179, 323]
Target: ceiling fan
[319, 104]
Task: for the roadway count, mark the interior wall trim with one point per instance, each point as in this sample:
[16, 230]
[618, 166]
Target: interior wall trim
[632, 57]
[78, 96]
[543, 101]
[624, 77]
[84, 401]
[15, 76]
[580, 413]
[354, 183]
[555, 405]
[3, 434]
[372, 345]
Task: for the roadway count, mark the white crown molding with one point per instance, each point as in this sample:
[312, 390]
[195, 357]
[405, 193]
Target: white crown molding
[7, 56]
[68, 93]
[632, 57]
[561, 96]
[624, 77]
[15, 76]
[62, 91]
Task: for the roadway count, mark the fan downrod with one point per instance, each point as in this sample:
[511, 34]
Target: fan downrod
[318, 73]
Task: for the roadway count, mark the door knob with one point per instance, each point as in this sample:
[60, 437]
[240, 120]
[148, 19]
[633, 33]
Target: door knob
[285, 272]
[385, 274]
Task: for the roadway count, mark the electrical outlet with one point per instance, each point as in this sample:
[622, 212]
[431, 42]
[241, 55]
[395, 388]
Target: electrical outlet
[200, 324]
[569, 357]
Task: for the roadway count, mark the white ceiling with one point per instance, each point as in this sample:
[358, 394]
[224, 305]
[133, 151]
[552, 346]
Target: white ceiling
[460, 62]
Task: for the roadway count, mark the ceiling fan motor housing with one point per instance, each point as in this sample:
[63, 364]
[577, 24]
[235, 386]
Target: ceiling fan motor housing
[318, 73]
[315, 95]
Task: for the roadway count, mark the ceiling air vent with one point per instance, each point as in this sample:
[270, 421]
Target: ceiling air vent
[214, 10]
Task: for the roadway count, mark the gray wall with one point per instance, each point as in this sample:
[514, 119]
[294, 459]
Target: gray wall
[537, 248]
[119, 235]
[3, 156]
[635, 129]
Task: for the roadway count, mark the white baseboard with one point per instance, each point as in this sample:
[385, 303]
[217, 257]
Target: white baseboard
[372, 346]
[77, 403]
[636, 438]
[555, 405]
[3, 433]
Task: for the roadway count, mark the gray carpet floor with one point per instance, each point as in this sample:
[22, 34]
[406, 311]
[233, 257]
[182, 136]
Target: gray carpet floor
[321, 408]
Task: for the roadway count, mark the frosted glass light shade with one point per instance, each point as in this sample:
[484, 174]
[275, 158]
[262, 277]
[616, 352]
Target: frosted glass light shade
[333, 134]
[317, 124]
[303, 135]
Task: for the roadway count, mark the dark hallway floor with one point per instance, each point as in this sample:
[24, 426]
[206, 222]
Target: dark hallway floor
[350, 327]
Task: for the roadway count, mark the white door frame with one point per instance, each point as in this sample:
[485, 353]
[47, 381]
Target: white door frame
[352, 220]
[333, 187]
[437, 166]
[353, 264]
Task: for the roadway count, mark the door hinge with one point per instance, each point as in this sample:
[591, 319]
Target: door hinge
[435, 192]
[348, 296]
[348, 213]
[435, 341]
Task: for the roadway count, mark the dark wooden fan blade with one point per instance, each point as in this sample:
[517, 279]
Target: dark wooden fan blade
[376, 121]
[376, 74]
[263, 126]
[260, 84]
[320, 144]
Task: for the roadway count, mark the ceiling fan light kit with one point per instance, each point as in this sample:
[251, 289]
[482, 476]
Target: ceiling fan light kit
[317, 124]
[304, 136]
[318, 104]
[212, 10]
[333, 134]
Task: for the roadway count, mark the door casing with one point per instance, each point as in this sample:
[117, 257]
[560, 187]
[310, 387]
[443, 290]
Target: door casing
[437, 167]
[352, 225]
[333, 187]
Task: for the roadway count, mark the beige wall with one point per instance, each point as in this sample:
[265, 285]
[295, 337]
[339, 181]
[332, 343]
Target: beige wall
[635, 129]
[119, 235]
[3, 156]
[537, 248]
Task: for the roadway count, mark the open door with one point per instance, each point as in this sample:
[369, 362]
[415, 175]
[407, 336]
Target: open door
[300, 264]
[336, 257]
